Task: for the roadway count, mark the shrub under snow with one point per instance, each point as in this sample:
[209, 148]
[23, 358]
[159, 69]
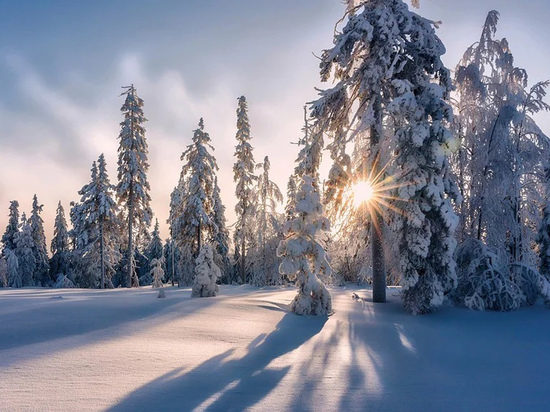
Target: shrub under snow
[63, 282]
[157, 273]
[484, 282]
[206, 274]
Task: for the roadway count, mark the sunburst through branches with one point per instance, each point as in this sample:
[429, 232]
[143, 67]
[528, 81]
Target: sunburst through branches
[373, 190]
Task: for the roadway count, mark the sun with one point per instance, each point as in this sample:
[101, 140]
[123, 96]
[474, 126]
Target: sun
[363, 192]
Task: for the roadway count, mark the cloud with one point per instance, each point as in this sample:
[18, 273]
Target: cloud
[48, 147]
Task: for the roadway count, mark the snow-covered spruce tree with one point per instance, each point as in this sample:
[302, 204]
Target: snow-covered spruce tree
[153, 251]
[60, 248]
[198, 172]
[303, 256]
[291, 191]
[264, 263]
[172, 252]
[133, 188]
[14, 274]
[172, 257]
[157, 273]
[543, 237]
[41, 274]
[299, 170]
[95, 224]
[86, 259]
[243, 176]
[3, 272]
[501, 152]
[109, 224]
[391, 84]
[206, 274]
[221, 237]
[24, 250]
[8, 238]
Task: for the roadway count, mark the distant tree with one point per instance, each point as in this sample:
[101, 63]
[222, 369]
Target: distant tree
[198, 172]
[299, 170]
[153, 251]
[60, 240]
[96, 225]
[24, 250]
[220, 240]
[60, 248]
[172, 253]
[243, 175]
[41, 274]
[3, 272]
[206, 274]
[267, 196]
[172, 256]
[133, 187]
[303, 255]
[291, 191]
[109, 224]
[14, 274]
[8, 238]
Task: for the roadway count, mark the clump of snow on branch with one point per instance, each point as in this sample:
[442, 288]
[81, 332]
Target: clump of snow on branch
[206, 274]
[304, 257]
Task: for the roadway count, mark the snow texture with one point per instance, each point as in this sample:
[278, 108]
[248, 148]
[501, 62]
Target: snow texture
[244, 351]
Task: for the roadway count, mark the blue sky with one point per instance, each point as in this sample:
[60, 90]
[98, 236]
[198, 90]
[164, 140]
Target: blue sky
[62, 64]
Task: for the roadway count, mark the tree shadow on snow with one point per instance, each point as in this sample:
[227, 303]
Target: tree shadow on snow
[370, 356]
[227, 384]
[104, 320]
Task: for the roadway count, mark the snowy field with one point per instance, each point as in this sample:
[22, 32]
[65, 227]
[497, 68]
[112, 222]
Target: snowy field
[126, 350]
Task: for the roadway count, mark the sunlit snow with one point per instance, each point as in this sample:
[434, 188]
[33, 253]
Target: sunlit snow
[74, 349]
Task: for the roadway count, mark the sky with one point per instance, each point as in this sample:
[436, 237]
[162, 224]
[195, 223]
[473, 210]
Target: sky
[62, 65]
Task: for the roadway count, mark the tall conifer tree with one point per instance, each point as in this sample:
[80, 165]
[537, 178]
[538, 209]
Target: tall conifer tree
[59, 262]
[243, 175]
[41, 275]
[133, 187]
[8, 238]
[198, 172]
[391, 84]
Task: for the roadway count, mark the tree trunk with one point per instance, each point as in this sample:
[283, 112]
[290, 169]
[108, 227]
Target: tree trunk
[377, 234]
[378, 263]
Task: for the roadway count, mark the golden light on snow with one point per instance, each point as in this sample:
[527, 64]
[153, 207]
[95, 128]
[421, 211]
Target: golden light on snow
[363, 192]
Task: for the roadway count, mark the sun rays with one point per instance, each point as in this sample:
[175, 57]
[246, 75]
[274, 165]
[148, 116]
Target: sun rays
[375, 191]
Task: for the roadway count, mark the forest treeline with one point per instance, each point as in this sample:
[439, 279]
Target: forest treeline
[458, 166]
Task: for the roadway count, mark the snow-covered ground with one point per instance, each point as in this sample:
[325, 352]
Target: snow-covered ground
[126, 350]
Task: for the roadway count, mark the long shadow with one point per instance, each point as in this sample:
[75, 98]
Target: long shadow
[364, 353]
[71, 317]
[226, 385]
[450, 360]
